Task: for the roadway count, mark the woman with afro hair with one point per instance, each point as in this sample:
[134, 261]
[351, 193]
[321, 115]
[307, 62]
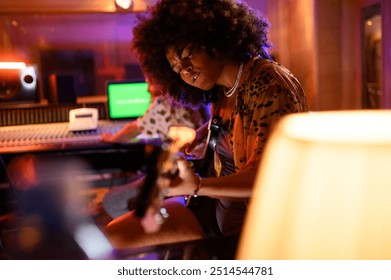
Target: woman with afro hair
[221, 47]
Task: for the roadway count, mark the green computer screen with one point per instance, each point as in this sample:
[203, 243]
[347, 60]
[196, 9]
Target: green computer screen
[127, 100]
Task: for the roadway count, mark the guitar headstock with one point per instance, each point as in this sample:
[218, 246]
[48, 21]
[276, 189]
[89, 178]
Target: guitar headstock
[161, 169]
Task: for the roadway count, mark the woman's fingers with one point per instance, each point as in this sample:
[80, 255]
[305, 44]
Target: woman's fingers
[186, 180]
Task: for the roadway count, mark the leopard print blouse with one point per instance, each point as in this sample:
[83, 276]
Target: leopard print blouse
[267, 92]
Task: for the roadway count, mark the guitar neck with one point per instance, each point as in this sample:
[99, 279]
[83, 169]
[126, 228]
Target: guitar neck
[161, 168]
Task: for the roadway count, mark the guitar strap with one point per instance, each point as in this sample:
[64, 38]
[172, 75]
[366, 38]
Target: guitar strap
[214, 129]
[208, 154]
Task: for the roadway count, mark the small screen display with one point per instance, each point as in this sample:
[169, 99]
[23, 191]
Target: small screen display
[127, 100]
[83, 116]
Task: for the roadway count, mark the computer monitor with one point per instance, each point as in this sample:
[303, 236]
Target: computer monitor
[127, 99]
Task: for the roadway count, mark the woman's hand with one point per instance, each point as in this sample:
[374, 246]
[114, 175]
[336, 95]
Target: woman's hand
[107, 137]
[195, 148]
[186, 182]
[188, 148]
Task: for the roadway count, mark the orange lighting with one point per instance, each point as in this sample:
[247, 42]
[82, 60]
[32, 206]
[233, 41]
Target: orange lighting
[12, 65]
[124, 4]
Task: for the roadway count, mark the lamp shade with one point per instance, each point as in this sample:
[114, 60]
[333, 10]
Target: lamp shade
[323, 189]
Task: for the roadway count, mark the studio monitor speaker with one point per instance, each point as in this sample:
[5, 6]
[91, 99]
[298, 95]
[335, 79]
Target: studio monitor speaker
[18, 85]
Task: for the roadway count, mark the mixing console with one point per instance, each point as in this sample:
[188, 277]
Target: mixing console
[55, 134]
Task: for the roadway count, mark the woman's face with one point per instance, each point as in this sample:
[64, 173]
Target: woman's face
[195, 66]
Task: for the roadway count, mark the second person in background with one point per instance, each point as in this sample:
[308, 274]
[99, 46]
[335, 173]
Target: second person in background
[161, 114]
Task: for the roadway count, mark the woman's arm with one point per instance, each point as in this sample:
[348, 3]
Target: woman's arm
[129, 131]
[238, 185]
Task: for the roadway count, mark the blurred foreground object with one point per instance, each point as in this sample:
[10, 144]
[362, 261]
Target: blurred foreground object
[323, 189]
[51, 217]
[161, 171]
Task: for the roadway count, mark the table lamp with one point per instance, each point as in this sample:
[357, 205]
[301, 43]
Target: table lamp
[323, 189]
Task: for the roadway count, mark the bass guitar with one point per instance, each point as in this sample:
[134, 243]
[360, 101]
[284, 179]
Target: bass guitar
[204, 165]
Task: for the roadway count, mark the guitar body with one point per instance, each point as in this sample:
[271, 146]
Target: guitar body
[203, 206]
